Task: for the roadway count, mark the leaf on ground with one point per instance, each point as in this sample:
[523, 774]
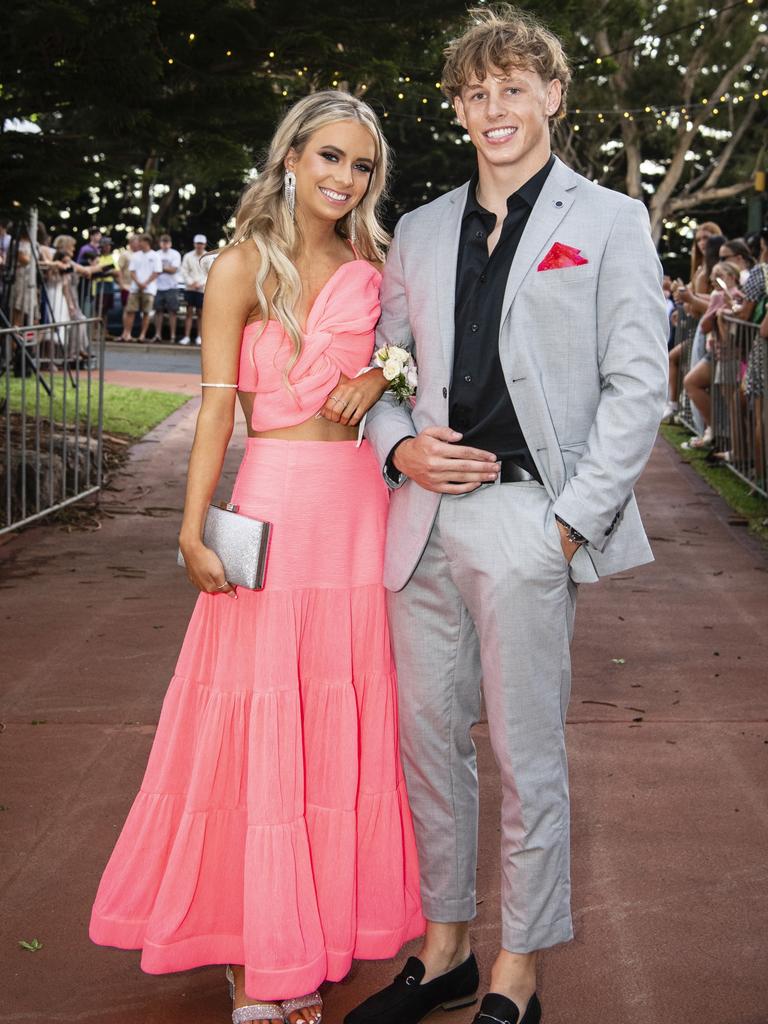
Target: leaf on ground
[32, 946]
[618, 661]
[604, 703]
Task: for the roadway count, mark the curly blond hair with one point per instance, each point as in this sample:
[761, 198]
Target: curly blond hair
[505, 38]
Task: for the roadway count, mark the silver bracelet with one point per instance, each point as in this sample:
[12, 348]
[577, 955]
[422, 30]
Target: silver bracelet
[203, 385]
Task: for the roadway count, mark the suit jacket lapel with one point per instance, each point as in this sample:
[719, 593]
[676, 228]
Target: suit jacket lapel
[446, 258]
[554, 201]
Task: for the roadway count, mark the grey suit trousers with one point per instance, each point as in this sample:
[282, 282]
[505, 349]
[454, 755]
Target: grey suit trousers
[490, 603]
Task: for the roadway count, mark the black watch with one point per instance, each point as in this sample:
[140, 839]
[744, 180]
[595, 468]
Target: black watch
[573, 535]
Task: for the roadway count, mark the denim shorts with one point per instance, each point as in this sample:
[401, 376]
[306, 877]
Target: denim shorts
[167, 301]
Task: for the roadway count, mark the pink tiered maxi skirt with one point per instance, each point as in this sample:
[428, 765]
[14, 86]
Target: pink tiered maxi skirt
[272, 827]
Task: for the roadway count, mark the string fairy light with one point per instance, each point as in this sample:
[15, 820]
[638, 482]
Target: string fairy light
[675, 116]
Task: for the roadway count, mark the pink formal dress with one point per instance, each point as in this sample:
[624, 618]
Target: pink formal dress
[272, 827]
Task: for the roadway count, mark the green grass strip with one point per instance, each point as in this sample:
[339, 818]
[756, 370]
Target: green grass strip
[739, 496]
[131, 412]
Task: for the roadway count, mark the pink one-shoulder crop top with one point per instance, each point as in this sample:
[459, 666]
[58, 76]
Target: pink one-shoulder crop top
[338, 338]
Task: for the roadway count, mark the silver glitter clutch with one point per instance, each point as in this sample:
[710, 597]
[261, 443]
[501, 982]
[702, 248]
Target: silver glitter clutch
[241, 542]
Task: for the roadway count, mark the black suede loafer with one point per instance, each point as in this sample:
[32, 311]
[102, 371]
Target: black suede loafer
[407, 1001]
[497, 1009]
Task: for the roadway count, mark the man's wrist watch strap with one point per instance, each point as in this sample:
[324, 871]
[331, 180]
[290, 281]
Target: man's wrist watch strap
[573, 535]
[392, 471]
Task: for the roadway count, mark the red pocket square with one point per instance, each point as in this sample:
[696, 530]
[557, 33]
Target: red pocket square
[561, 255]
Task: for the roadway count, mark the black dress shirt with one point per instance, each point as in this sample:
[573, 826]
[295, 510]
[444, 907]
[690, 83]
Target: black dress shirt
[480, 406]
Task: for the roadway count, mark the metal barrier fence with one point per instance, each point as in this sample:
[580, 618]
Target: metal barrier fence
[739, 382]
[52, 404]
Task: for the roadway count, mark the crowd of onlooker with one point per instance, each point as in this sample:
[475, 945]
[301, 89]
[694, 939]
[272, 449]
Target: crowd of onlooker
[133, 290]
[728, 282]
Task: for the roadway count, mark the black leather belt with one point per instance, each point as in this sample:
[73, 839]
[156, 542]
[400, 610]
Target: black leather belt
[511, 473]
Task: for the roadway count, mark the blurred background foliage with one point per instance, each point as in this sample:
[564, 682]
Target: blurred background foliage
[126, 113]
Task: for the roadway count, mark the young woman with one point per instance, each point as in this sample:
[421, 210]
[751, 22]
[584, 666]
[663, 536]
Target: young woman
[699, 275]
[737, 251]
[272, 831]
[63, 300]
[695, 300]
[698, 380]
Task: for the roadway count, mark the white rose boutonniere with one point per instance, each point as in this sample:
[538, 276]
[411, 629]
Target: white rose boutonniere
[399, 369]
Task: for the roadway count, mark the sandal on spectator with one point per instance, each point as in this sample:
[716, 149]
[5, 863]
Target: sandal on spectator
[696, 444]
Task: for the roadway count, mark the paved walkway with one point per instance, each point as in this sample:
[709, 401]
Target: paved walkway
[668, 750]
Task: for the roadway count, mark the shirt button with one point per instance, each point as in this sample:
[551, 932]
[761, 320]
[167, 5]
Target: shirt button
[474, 328]
[445, 392]
[467, 378]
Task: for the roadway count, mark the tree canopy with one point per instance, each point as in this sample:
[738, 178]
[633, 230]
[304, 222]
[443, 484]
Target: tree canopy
[126, 112]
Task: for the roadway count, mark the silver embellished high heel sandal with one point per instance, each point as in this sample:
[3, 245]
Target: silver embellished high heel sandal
[303, 1003]
[253, 1011]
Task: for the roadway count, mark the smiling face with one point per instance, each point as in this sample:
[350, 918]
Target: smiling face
[507, 118]
[333, 170]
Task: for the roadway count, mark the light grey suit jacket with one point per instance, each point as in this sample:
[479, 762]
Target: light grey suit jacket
[584, 354]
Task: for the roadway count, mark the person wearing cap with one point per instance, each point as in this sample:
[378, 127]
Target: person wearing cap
[167, 298]
[193, 275]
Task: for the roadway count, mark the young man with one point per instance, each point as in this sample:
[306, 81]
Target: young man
[123, 270]
[194, 273]
[144, 267]
[167, 298]
[90, 249]
[531, 299]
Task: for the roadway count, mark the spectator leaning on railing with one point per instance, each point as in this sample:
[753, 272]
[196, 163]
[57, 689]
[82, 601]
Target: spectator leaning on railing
[725, 298]
[694, 297]
[736, 251]
[63, 298]
[756, 285]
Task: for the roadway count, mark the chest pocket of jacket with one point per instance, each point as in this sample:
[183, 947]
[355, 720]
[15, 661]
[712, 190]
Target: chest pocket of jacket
[565, 276]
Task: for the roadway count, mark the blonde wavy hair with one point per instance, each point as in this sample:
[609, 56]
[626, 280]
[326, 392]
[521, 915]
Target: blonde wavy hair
[262, 214]
[503, 38]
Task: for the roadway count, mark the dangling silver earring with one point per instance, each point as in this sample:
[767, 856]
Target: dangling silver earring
[289, 191]
[353, 226]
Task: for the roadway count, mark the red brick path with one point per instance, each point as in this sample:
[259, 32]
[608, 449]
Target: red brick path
[668, 756]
